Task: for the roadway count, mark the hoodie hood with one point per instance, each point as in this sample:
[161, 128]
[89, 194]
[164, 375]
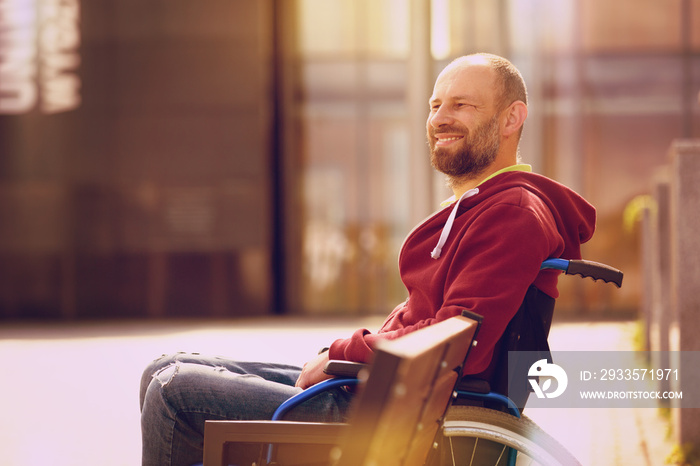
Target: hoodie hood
[574, 216]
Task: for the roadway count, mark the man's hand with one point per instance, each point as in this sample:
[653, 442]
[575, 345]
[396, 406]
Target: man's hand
[312, 372]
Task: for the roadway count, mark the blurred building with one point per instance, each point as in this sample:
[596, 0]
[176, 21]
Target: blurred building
[237, 157]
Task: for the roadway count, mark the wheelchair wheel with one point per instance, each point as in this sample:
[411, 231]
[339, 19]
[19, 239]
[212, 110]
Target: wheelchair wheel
[480, 436]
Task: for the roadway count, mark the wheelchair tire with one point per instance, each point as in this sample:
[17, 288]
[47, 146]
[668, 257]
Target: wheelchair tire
[502, 429]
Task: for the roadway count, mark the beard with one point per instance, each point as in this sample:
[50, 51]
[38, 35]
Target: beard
[477, 150]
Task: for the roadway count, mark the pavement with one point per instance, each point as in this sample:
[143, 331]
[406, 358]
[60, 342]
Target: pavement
[69, 392]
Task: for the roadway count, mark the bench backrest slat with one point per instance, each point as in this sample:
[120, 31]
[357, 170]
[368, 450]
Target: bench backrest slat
[397, 414]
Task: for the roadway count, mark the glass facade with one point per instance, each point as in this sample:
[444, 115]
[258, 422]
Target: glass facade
[352, 160]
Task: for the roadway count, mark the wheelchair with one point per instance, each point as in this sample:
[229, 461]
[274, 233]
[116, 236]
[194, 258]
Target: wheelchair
[480, 425]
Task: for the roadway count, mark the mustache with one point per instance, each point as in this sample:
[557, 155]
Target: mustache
[448, 129]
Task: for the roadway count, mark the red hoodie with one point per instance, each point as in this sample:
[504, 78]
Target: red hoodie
[500, 236]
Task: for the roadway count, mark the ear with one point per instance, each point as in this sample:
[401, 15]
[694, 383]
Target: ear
[515, 116]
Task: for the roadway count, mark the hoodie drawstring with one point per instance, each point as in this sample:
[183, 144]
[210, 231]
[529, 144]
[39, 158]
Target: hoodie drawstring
[450, 221]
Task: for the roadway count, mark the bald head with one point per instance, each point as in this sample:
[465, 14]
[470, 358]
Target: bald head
[509, 83]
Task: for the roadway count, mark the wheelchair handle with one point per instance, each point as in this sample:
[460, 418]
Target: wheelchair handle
[594, 270]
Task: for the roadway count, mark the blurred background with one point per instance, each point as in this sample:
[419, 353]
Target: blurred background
[226, 161]
[229, 158]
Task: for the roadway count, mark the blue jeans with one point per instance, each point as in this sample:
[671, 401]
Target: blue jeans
[179, 392]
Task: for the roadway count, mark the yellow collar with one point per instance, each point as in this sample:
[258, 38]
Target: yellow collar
[521, 167]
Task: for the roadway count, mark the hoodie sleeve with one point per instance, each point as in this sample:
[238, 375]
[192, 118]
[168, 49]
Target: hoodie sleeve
[485, 267]
[359, 347]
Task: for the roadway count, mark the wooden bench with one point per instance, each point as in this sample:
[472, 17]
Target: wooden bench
[393, 419]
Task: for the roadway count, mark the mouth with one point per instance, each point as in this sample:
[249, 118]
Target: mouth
[446, 139]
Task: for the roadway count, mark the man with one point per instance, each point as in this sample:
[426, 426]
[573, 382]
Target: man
[481, 252]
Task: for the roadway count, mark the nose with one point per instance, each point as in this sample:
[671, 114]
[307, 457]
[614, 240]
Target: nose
[440, 117]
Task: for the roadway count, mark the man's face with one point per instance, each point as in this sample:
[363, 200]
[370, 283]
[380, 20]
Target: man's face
[463, 127]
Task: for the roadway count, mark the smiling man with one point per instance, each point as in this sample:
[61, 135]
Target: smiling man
[481, 252]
